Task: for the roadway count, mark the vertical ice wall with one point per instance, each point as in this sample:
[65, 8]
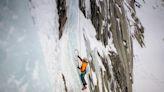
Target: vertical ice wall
[22, 66]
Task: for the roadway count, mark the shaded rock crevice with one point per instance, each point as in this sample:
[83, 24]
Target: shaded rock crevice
[63, 77]
[62, 12]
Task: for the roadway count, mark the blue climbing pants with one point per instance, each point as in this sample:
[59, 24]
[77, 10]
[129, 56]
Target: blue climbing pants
[82, 75]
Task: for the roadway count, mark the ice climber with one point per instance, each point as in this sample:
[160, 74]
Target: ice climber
[83, 71]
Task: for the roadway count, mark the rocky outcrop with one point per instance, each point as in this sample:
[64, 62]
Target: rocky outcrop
[119, 71]
[116, 19]
[62, 11]
[82, 6]
[99, 17]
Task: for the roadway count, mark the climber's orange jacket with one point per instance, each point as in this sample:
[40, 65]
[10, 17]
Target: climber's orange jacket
[84, 66]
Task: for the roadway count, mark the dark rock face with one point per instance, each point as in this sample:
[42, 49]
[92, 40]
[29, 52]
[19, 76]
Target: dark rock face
[62, 11]
[106, 13]
[82, 6]
[119, 71]
[100, 20]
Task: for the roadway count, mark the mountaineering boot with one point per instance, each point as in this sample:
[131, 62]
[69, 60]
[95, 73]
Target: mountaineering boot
[84, 87]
